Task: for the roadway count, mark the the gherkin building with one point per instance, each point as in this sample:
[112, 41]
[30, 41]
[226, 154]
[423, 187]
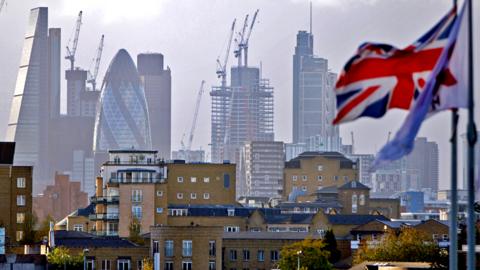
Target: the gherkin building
[122, 113]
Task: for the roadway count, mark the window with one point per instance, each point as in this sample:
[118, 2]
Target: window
[19, 235]
[78, 227]
[187, 248]
[178, 212]
[179, 196]
[362, 199]
[445, 237]
[159, 210]
[21, 200]
[193, 179]
[159, 193]
[304, 188]
[246, 255]
[274, 255]
[206, 179]
[233, 255]
[186, 265]
[211, 265]
[294, 178]
[226, 180]
[345, 178]
[106, 265]
[319, 178]
[21, 183]
[260, 255]
[231, 212]
[231, 229]
[89, 264]
[180, 179]
[435, 236]
[156, 246]
[168, 248]
[212, 248]
[354, 203]
[20, 218]
[168, 265]
[123, 264]
[335, 178]
[137, 195]
[206, 196]
[319, 168]
[193, 196]
[137, 212]
[304, 178]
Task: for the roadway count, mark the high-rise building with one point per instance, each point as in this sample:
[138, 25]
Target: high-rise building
[260, 169]
[156, 82]
[240, 113]
[364, 162]
[36, 96]
[313, 98]
[122, 119]
[424, 161]
[464, 140]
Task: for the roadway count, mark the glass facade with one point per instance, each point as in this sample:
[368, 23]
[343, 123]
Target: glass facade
[122, 118]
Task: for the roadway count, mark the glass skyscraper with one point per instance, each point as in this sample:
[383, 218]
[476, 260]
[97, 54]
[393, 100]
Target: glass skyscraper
[122, 116]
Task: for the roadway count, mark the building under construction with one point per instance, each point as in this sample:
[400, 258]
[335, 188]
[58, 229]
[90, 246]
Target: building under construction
[242, 111]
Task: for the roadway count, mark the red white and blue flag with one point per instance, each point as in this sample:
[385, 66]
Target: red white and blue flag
[380, 77]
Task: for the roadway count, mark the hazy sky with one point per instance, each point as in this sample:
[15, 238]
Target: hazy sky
[192, 34]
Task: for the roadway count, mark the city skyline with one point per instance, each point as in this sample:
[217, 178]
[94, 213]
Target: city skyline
[261, 40]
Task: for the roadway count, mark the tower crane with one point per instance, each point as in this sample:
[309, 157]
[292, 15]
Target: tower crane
[71, 52]
[93, 76]
[222, 67]
[353, 142]
[2, 3]
[195, 116]
[245, 41]
[240, 40]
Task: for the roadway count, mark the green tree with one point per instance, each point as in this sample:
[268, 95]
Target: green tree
[60, 258]
[44, 228]
[134, 230]
[410, 245]
[331, 246]
[313, 255]
[28, 228]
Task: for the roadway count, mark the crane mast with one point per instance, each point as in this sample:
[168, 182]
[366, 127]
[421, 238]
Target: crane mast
[240, 40]
[2, 3]
[195, 116]
[245, 42]
[93, 76]
[222, 67]
[71, 52]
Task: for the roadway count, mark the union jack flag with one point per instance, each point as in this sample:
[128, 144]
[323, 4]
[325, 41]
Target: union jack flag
[380, 77]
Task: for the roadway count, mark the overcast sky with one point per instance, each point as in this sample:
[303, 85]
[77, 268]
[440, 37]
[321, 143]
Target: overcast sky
[192, 34]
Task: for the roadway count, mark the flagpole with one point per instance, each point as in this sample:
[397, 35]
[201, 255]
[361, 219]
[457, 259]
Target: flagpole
[472, 139]
[453, 248]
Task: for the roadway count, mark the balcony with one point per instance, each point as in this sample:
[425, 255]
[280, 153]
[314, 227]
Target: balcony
[105, 200]
[137, 180]
[104, 216]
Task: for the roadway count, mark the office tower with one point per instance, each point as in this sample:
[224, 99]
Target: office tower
[424, 160]
[260, 169]
[240, 113]
[156, 82]
[189, 155]
[122, 118]
[313, 98]
[28, 122]
[364, 162]
[54, 57]
[293, 150]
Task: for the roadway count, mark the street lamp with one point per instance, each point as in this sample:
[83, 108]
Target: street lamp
[85, 251]
[298, 259]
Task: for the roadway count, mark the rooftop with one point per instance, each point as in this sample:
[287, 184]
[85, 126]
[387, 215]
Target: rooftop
[75, 239]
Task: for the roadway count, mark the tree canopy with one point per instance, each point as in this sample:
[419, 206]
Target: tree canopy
[60, 258]
[314, 255]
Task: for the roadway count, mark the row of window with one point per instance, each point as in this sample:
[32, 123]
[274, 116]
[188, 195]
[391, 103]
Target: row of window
[319, 178]
[21, 182]
[180, 179]
[193, 196]
[187, 265]
[274, 255]
[122, 264]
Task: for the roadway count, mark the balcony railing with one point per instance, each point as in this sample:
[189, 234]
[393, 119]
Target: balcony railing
[106, 233]
[105, 200]
[137, 180]
[104, 216]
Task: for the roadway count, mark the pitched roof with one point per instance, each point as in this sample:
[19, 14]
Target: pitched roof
[295, 162]
[354, 184]
[289, 219]
[83, 240]
[269, 235]
[353, 219]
